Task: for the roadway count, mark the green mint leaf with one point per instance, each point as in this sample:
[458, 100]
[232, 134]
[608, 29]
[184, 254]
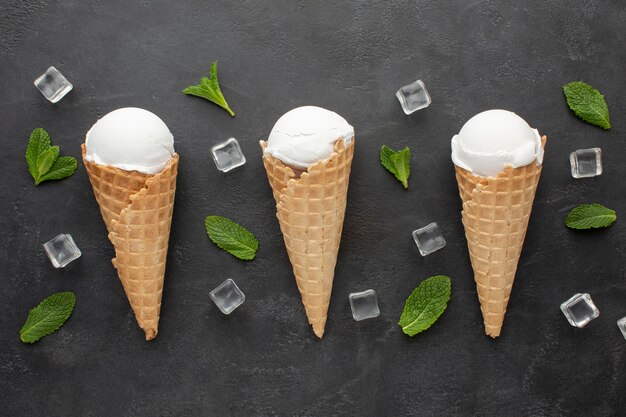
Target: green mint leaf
[48, 316]
[425, 304]
[231, 237]
[385, 158]
[63, 167]
[398, 163]
[43, 159]
[588, 216]
[209, 89]
[587, 103]
[38, 144]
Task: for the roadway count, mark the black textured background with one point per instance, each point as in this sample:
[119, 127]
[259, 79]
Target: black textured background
[350, 57]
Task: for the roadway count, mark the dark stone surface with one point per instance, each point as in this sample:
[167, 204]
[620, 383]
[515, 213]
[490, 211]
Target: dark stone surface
[263, 360]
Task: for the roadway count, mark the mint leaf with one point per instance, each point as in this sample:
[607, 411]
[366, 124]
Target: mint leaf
[587, 103]
[44, 162]
[588, 216]
[48, 316]
[209, 89]
[39, 143]
[425, 304]
[43, 159]
[231, 237]
[63, 167]
[397, 163]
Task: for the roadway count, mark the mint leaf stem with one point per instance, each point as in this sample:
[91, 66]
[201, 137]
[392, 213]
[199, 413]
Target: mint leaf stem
[209, 89]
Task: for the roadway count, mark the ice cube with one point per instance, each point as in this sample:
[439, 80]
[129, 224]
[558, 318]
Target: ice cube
[53, 85]
[413, 97]
[227, 155]
[364, 305]
[227, 296]
[61, 250]
[621, 323]
[586, 162]
[429, 239]
[580, 310]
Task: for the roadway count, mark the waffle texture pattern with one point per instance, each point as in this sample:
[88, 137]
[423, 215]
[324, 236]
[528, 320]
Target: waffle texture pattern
[495, 215]
[311, 211]
[137, 210]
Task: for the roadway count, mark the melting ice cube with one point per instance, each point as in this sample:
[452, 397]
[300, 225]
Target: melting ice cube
[429, 239]
[228, 155]
[621, 323]
[413, 97]
[227, 296]
[580, 310]
[53, 85]
[61, 250]
[586, 162]
[364, 305]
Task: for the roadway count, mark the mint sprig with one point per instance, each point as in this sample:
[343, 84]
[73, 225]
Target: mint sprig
[209, 89]
[397, 163]
[48, 316]
[43, 159]
[590, 216]
[231, 237]
[588, 103]
[425, 304]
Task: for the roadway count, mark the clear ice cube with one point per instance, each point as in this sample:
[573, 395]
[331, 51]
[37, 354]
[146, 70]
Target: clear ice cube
[413, 97]
[53, 85]
[62, 250]
[227, 296]
[364, 305]
[580, 310]
[621, 323]
[429, 239]
[586, 162]
[228, 155]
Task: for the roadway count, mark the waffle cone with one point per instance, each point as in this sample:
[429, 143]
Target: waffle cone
[137, 210]
[311, 210]
[495, 215]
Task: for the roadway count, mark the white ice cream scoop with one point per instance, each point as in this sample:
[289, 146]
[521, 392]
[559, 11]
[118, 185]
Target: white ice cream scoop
[494, 139]
[306, 135]
[131, 139]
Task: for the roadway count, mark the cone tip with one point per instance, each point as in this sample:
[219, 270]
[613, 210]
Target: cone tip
[150, 333]
[318, 329]
[493, 332]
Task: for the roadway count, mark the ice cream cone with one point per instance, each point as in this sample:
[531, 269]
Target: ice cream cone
[496, 211]
[310, 209]
[137, 210]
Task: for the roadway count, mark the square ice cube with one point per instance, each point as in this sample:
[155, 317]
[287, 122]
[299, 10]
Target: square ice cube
[53, 85]
[413, 97]
[580, 310]
[227, 296]
[429, 239]
[586, 162]
[227, 155]
[61, 250]
[364, 305]
[621, 323]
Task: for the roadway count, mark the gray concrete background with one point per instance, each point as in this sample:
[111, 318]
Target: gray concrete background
[350, 57]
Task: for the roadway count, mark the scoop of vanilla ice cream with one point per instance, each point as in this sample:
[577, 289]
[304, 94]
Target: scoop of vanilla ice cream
[131, 139]
[306, 135]
[494, 139]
